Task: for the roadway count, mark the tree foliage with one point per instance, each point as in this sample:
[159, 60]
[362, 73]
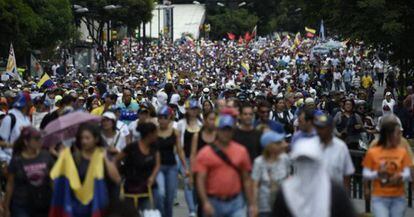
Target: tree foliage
[237, 21]
[385, 24]
[34, 24]
[131, 14]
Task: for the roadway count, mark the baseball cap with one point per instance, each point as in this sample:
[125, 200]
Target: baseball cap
[388, 94]
[58, 98]
[224, 121]
[322, 121]
[165, 111]
[271, 137]
[309, 101]
[22, 100]
[109, 115]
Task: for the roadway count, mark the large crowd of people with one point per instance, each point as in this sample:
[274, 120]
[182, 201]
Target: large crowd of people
[259, 129]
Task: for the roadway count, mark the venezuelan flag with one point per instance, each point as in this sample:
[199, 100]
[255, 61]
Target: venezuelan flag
[313, 31]
[245, 68]
[45, 81]
[71, 197]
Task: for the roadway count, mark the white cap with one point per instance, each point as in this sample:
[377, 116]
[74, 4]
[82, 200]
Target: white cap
[388, 94]
[109, 115]
[309, 100]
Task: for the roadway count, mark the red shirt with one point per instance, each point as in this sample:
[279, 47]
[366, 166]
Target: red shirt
[222, 179]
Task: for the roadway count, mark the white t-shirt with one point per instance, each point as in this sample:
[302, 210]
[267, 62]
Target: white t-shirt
[118, 141]
[390, 104]
[11, 135]
[337, 160]
[337, 76]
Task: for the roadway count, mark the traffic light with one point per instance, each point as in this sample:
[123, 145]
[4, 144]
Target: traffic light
[136, 33]
[114, 35]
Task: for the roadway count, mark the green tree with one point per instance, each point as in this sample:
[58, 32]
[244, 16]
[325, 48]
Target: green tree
[236, 21]
[131, 14]
[19, 25]
[34, 25]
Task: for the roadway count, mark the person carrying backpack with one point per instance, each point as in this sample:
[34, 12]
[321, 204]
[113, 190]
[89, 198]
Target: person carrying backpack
[13, 122]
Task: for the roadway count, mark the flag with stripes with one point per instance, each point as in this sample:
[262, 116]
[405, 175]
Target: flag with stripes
[11, 68]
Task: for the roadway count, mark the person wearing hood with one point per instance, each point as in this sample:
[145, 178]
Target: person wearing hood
[310, 192]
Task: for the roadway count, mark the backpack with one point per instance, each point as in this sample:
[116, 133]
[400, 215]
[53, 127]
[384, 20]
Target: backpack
[12, 125]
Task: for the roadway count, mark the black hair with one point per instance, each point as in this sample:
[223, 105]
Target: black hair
[26, 134]
[264, 103]
[309, 113]
[387, 129]
[94, 129]
[67, 100]
[245, 105]
[146, 129]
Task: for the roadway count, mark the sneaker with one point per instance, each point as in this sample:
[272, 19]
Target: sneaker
[193, 214]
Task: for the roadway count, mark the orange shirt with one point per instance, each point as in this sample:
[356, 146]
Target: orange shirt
[395, 160]
[222, 179]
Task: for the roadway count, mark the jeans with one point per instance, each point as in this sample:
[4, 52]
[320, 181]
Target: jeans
[389, 206]
[167, 180]
[232, 208]
[189, 191]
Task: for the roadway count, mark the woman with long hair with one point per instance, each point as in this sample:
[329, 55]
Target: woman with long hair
[168, 141]
[88, 164]
[28, 183]
[206, 135]
[387, 165]
[269, 170]
[188, 127]
[141, 163]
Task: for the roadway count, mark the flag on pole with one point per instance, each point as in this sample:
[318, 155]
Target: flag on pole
[247, 37]
[298, 39]
[310, 33]
[277, 37]
[11, 68]
[286, 42]
[240, 42]
[231, 36]
[254, 32]
[35, 67]
[45, 81]
[322, 31]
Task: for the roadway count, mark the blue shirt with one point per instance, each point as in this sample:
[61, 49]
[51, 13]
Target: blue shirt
[347, 75]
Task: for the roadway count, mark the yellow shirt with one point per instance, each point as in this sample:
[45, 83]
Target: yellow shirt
[366, 81]
[98, 111]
